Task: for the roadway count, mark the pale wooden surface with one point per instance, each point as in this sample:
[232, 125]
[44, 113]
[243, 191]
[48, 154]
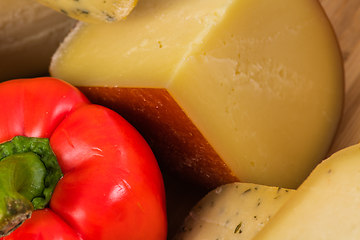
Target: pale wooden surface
[345, 18]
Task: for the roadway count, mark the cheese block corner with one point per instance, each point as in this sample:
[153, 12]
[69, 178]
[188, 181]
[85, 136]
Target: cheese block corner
[93, 11]
[223, 91]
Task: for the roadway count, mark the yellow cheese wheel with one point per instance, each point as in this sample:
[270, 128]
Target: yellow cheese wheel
[224, 91]
[29, 35]
[326, 206]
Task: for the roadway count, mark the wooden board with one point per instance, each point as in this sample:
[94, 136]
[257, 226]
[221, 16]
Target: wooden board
[345, 18]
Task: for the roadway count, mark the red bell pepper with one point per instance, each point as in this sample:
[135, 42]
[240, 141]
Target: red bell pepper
[110, 185]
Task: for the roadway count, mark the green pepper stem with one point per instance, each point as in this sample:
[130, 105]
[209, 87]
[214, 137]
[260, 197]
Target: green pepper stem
[29, 173]
[18, 173]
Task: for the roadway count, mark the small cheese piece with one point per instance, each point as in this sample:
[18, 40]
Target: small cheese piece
[326, 206]
[260, 81]
[29, 35]
[233, 211]
[93, 11]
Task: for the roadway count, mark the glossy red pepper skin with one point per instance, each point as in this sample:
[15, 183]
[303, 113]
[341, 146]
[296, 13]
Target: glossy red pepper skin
[112, 186]
[44, 224]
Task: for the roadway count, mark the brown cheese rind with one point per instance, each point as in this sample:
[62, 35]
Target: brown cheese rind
[177, 144]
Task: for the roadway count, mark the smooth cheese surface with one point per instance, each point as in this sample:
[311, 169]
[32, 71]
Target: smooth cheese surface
[262, 81]
[326, 206]
[151, 42]
[233, 211]
[93, 11]
[29, 35]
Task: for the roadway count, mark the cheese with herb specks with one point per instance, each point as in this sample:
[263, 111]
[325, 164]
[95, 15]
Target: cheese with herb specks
[326, 206]
[233, 211]
[93, 11]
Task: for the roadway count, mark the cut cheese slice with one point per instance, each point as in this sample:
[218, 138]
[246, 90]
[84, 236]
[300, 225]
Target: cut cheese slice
[93, 11]
[233, 211]
[248, 90]
[326, 206]
[29, 35]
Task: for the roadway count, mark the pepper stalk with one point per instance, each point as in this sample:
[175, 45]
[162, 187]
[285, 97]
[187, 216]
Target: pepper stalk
[29, 173]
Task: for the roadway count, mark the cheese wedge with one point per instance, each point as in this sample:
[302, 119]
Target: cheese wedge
[223, 91]
[233, 211]
[29, 35]
[93, 11]
[326, 206]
